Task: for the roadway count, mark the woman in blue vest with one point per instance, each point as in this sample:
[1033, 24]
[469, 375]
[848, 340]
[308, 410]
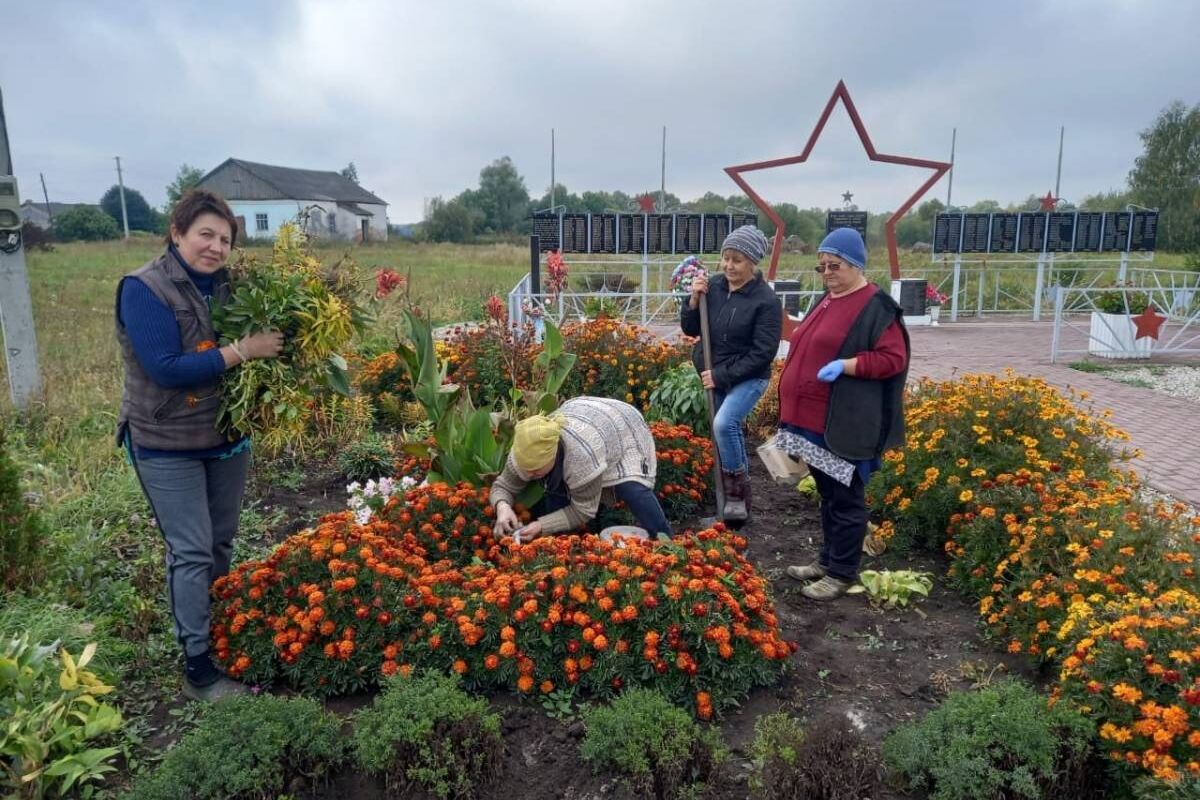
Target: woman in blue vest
[192, 474]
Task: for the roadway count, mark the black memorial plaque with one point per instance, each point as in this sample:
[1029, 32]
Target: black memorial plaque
[1032, 236]
[947, 233]
[738, 220]
[546, 228]
[687, 233]
[912, 297]
[632, 228]
[575, 233]
[1060, 232]
[847, 219]
[716, 228]
[1088, 225]
[604, 233]
[1116, 231]
[660, 233]
[1003, 238]
[1144, 231]
[975, 233]
[791, 302]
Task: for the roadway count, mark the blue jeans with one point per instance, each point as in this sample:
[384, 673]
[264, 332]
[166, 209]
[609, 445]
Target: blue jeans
[733, 407]
[196, 502]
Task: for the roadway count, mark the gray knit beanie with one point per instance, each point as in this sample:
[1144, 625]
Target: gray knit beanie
[749, 241]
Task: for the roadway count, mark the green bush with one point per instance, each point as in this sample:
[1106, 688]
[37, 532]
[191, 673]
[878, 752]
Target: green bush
[659, 747]
[248, 747]
[22, 536]
[366, 459]
[50, 718]
[678, 397]
[830, 762]
[1002, 742]
[85, 223]
[425, 731]
[1116, 301]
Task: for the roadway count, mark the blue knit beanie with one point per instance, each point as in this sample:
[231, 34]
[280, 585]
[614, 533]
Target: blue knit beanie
[747, 240]
[847, 244]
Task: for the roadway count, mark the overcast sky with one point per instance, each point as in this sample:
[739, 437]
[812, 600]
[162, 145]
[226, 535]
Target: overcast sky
[421, 95]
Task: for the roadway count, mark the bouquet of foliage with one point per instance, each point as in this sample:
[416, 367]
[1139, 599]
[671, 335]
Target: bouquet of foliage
[688, 270]
[318, 310]
[1121, 299]
[933, 297]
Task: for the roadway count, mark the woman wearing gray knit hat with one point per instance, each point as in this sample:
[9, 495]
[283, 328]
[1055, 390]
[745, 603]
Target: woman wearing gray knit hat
[745, 323]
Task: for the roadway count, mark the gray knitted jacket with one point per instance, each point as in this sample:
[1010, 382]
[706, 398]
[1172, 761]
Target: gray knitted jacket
[605, 442]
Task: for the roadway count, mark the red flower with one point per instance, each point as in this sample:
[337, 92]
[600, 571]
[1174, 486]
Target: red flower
[495, 309]
[387, 281]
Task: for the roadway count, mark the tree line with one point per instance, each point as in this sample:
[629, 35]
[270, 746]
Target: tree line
[1166, 176]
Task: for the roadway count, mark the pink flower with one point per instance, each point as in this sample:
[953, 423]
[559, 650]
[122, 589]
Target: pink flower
[495, 309]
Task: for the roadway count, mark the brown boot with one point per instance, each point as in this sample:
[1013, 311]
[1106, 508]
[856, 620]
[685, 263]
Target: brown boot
[744, 490]
[735, 505]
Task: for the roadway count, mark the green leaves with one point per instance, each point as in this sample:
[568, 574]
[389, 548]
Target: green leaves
[893, 587]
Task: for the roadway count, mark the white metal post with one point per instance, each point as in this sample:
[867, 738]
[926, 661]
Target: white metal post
[954, 287]
[1039, 286]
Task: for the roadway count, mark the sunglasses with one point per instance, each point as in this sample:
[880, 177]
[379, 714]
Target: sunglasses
[832, 266]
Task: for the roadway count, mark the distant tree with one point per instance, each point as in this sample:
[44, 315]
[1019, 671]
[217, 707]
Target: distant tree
[1166, 175]
[350, 172]
[502, 196]
[985, 207]
[930, 209]
[449, 221]
[85, 223]
[1112, 200]
[187, 178]
[141, 216]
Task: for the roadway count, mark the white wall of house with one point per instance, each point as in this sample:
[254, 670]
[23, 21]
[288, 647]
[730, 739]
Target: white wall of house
[263, 218]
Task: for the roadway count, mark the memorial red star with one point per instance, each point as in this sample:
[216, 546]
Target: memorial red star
[939, 168]
[1049, 202]
[646, 203]
[1148, 323]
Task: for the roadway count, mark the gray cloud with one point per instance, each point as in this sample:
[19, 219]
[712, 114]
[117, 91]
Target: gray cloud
[422, 95]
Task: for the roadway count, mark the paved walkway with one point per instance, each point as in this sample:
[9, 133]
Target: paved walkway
[1167, 429]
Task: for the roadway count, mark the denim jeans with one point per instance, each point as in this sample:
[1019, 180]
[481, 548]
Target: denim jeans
[196, 502]
[733, 407]
[642, 502]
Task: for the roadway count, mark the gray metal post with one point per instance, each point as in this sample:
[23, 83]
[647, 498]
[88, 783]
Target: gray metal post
[1062, 132]
[121, 183]
[954, 287]
[16, 310]
[552, 170]
[1039, 286]
[1123, 270]
[950, 177]
[662, 194]
[645, 281]
[46, 195]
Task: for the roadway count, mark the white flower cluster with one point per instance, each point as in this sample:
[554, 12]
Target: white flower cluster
[367, 500]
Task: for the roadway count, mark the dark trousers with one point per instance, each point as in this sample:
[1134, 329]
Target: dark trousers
[642, 503]
[843, 523]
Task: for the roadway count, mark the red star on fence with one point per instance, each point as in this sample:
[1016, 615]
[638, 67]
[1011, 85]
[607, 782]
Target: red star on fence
[1148, 323]
[646, 203]
[1049, 202]
[939, 168]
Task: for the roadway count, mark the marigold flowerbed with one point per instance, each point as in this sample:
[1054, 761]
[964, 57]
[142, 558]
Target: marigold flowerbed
[428, 585]
[1070, 563]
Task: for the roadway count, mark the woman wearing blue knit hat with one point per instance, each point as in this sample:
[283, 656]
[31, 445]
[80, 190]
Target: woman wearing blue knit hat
[841, 400]
[745, 323]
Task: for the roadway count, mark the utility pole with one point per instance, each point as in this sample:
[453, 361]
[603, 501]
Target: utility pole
[45, 194]
[552, 169]
[950, 182]
[662, 194]
[1062, 132]
[121, 183]
[16, 310]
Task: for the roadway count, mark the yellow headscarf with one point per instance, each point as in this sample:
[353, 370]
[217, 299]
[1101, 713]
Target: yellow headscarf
[535, 441]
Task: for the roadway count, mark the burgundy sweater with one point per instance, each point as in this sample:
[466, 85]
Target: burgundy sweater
[804, 400]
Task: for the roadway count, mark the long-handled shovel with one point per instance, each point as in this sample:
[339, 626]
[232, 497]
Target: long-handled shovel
[734, 510]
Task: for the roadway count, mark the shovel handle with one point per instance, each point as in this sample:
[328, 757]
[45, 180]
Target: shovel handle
[710, 402]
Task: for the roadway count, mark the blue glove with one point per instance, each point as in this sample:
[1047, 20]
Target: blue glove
[831, 371]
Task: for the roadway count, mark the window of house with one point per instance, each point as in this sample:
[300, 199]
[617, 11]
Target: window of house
[260, 222]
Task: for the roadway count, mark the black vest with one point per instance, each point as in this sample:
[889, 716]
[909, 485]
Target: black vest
[866, 417]
[156, 417]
